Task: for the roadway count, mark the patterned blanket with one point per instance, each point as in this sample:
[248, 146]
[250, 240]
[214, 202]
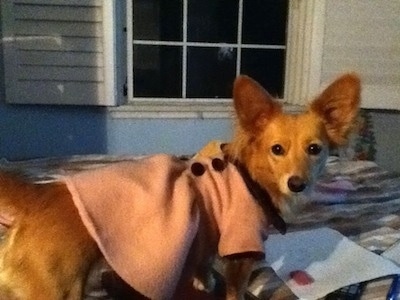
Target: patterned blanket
[358, 198]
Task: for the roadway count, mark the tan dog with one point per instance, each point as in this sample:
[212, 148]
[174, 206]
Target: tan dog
[283, 152]
[47, 252]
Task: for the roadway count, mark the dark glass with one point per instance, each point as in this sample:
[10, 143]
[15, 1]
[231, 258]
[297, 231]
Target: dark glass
[159, 20]
[158, 71]
[267, 67]
[211, 72]
[212, 21]
[264, 22]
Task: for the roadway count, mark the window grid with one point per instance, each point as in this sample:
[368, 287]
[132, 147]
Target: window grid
[184, 48]
[239, 38]
[185, 44]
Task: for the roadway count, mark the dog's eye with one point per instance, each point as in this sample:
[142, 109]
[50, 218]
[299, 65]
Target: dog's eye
[314, 149]
[277, 149]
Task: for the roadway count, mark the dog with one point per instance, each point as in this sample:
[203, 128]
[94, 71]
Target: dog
[284, 152]
[47, 251]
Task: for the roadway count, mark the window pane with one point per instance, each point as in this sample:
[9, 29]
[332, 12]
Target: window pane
[212, 21]
[265, 66]
[158, 71]
[157, 20]
[211, 72]
[264, 22]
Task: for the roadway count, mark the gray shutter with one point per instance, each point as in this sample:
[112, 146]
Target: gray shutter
[55, 51]
[365, 36]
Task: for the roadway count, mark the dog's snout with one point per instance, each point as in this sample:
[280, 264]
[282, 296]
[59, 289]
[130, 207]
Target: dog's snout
[296, 184]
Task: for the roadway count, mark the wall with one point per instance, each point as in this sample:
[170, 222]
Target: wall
[33, 131]
[37, 131]
[387, 133]
[178, 136]
[363, 36]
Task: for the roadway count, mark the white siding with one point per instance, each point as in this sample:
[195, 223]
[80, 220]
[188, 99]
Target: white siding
[54, 52]
[364, 36]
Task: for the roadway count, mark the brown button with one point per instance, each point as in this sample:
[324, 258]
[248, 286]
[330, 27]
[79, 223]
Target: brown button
[197, 169]
[218, 164]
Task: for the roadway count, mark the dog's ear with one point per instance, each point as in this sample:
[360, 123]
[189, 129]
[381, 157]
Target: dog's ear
[253, 104]
[338, 106]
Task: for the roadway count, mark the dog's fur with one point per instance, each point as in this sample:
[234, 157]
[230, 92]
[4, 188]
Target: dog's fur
[47, 252]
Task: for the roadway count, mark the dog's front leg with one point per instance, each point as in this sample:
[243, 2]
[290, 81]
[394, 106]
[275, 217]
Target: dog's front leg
[237, 274]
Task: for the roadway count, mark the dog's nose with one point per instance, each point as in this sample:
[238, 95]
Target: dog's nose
[296, 184]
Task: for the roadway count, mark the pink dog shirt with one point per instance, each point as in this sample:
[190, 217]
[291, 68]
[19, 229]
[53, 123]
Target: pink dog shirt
[144, 215]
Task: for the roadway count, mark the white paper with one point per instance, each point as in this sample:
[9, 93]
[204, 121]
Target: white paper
[393, 253]
[331, 259]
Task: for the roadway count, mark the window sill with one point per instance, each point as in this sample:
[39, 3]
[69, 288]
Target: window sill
[181, 109]
[174, 109]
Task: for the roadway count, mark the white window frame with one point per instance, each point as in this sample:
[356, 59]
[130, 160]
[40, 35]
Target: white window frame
[302, 65]
[306, 24]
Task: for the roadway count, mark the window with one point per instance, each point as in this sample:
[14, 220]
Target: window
[278, 42]
[193, 49]
[183, 55]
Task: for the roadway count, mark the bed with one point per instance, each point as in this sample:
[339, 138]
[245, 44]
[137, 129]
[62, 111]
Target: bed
[361, 201]
[354, 196]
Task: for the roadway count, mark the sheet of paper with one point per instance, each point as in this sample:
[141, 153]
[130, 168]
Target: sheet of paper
[331, 259]
[393, 253]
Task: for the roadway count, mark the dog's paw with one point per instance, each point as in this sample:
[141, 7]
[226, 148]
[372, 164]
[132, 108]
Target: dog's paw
[203, 286]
